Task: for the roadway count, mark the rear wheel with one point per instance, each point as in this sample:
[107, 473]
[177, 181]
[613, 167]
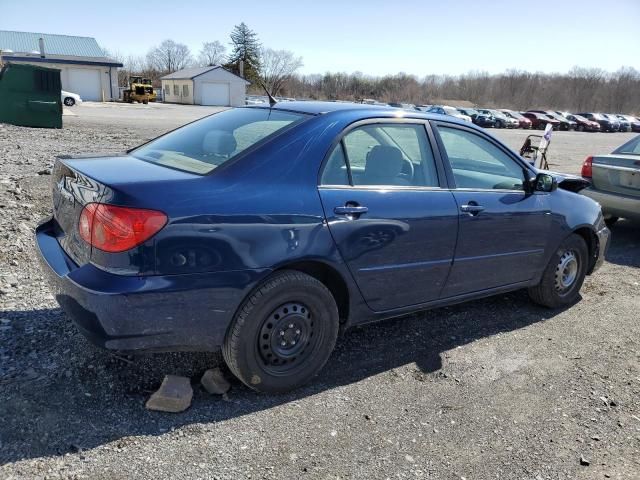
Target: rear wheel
[283, 333]
[580, 128]
[562, 279]
[69, 101]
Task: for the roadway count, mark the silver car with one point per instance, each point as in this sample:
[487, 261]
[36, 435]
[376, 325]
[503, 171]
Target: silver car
[615, 181]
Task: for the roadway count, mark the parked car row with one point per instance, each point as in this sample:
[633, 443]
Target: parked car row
[506, 118]
[539, 119]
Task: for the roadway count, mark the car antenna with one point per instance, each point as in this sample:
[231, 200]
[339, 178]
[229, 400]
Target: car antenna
[272, 101]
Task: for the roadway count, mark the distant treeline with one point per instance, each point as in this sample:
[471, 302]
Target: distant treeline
[579, 90]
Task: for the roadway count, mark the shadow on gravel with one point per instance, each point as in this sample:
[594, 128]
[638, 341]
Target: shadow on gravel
[59, 394]
[625, 244]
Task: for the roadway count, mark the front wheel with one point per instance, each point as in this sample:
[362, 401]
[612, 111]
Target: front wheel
[562, 279]
[69, 101]
[283, 333]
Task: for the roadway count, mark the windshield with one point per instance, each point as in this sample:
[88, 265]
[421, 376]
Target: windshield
[206, 144]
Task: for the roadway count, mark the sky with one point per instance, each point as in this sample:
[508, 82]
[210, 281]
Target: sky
[420, 37]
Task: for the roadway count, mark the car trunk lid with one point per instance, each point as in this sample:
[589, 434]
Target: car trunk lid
[617, 174]
[120, 180]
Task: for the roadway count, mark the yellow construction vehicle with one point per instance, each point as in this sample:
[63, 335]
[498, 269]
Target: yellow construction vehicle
[140, 90]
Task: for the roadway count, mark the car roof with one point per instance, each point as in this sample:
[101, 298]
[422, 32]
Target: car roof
[318, 108]
[362, 110]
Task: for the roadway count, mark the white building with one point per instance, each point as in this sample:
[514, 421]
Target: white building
[84, 68]
[204, 86]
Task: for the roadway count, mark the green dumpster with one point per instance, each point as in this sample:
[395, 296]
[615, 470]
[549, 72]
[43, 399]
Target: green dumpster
[30, 96]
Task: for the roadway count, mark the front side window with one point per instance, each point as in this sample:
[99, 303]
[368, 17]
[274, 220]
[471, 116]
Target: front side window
[383, 155]
[185, 90]
[479, 164]
[204, 145]
[176, 92]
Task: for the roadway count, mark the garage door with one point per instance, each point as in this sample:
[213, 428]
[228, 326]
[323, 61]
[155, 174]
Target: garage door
[84, 82]
[215, 94]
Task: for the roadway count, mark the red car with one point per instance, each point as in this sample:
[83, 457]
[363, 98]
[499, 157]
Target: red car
[523, 122]
[583, 124]
[540, 120]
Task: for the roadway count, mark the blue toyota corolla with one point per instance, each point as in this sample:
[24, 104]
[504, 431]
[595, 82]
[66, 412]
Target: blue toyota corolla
[265, 231]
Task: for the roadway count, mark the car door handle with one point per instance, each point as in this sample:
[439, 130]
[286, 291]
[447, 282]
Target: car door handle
[350, 210]
[472, 208]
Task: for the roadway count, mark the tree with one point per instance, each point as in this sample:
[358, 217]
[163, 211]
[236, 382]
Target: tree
[277, 67]
[245, 47]
[169, 56]
[212, 53]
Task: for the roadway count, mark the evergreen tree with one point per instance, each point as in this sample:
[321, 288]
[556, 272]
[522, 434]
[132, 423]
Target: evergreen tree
[246, 47]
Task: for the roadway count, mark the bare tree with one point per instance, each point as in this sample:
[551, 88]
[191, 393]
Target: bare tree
[579, 90]
[277, 68]
[169, 56]
[212, 53]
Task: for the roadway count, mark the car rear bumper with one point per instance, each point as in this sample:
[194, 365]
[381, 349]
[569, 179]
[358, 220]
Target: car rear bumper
[117, 312]
[604, 237]
[615, 204]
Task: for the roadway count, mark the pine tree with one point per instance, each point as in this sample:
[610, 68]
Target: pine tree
[245, 47]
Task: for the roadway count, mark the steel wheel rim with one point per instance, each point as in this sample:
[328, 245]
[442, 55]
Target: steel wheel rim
[566, 271]
[287, 337]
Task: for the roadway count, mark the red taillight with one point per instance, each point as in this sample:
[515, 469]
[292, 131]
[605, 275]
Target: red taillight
[116, 229]
[587, 168]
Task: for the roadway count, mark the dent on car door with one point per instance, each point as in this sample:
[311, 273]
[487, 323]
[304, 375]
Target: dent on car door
[392, 223]
[503, 229]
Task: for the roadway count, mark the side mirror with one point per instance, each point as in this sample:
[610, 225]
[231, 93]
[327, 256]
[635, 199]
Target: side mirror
[544, 183]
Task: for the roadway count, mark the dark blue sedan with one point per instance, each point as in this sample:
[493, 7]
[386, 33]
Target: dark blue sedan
[266, 231]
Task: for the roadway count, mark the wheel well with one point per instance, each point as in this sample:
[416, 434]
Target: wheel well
[330, 278]
[591, 240]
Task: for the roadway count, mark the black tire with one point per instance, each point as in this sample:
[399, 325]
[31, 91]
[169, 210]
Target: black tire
[288, 307]
[560, 284]
[69, 101]
[580, 128]
[610, 222]
[541, 126]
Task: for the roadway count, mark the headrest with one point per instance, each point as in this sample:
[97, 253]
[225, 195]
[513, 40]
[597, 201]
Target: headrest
[219, 142]
[383, 161]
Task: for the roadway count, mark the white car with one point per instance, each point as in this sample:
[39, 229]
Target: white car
[70, 99]
[455, 113]
[447, 110]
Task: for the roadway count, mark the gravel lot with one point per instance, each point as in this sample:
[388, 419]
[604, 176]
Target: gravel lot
[497, 388]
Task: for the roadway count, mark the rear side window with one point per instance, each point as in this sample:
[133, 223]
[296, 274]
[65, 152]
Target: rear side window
[208, 143]
[335, 171]
[382, 155]
[479, 164]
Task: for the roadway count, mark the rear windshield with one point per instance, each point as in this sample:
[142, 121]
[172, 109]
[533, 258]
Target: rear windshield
[206, 144]
[632, 147]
